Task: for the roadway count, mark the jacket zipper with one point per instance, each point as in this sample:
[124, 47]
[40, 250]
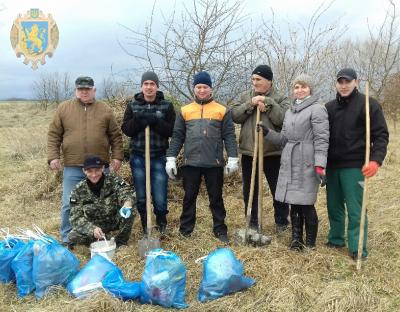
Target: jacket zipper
[86, 139]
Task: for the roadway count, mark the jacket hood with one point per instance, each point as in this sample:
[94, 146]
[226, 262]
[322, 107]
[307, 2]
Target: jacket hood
[307, 102]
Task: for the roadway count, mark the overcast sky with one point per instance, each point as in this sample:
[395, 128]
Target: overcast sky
[90, 31]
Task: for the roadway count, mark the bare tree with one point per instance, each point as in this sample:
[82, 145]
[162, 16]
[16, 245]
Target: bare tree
[392, 99]
[114, 89]
[52, 88]
[377, 58]
[206, 35]
[304, 47]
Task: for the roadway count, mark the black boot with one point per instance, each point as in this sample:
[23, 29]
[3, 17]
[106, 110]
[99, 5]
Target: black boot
[161, 221]
[311, 221]
[311, 234]
[296, 219]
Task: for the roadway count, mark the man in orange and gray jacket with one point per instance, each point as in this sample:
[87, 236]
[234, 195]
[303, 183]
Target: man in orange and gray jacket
[80, 127]
[203, 127]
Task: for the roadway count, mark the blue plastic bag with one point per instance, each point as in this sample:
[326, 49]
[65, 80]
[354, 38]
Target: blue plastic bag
[7, 254]
[53, 264]
[22, 266]
[89, 279]
[222, 275]
[115, 283]
[164, 280]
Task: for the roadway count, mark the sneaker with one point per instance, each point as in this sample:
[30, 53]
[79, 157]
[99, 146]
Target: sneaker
[296, 245]
[354, 256]
[121, 247]
[162, 228]
[253, 226]
[185, 234]
[69, 245]
[223, 237]
[122, 244]
[333, 246]
[280, 228]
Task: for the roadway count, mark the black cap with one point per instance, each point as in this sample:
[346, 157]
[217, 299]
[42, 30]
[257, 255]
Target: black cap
[84, 82]
[264, 71]
[347, 73]
[202, 78]
[92, 161]
[149, 75]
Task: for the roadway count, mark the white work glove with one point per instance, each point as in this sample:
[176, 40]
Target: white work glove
[125, 212]
[232, 165]
[170, 167]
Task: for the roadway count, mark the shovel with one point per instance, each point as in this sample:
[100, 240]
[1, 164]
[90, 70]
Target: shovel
[365, 184]
[247, 235]
[147, 243]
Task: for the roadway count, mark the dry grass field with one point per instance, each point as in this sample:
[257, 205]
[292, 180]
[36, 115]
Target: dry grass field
[320, 280]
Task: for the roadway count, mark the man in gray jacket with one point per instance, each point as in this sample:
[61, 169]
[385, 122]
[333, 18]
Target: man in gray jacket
[203, 127]
[273, 106]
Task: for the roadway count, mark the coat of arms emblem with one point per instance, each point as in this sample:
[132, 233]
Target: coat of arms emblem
[34, 35]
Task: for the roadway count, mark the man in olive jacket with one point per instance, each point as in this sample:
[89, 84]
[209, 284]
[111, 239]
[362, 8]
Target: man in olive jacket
[80, 127]
[273, 106]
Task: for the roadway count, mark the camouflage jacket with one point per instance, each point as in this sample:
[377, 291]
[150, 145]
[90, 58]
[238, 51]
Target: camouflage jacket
[89, 211]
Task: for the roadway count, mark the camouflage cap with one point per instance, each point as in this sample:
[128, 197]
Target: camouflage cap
[92, 161]
[84, 82]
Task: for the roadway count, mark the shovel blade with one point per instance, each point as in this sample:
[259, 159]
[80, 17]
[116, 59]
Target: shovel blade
[146, 244]
[253, 238]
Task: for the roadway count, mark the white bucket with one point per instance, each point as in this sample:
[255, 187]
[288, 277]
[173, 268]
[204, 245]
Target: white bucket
[104, 248]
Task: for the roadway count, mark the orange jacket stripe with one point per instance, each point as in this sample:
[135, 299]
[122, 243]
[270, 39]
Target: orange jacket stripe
[212, 110]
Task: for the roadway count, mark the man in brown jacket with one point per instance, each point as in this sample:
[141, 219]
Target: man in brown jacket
[80, 127]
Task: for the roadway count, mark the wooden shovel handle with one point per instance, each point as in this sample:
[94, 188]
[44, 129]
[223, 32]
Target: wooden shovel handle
[148, 186]
[260, 178]
[253, 173]
[365, 189]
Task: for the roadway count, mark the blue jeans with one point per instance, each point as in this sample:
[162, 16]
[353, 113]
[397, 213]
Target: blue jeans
[158, 181]
[71, 177]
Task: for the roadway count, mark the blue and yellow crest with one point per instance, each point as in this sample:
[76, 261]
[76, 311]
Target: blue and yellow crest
[34, 35]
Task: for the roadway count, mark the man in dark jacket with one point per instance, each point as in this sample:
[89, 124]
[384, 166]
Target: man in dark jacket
[346, 157]
[203, 127]
[272, 105]
[149, 108]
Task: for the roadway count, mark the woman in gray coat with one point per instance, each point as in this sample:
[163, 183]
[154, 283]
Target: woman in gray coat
[305, 139]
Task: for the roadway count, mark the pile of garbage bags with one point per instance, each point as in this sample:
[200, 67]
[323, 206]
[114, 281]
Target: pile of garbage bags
[36, 262]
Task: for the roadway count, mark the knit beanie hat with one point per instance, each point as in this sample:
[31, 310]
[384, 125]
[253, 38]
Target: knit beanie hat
[304, 79]
[264, 71]
[149, 75]
[202, 77]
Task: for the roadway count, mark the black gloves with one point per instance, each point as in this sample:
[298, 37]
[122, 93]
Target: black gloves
[263, 128]
[149, 117]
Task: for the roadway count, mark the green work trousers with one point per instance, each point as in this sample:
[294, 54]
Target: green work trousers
[344, 190]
